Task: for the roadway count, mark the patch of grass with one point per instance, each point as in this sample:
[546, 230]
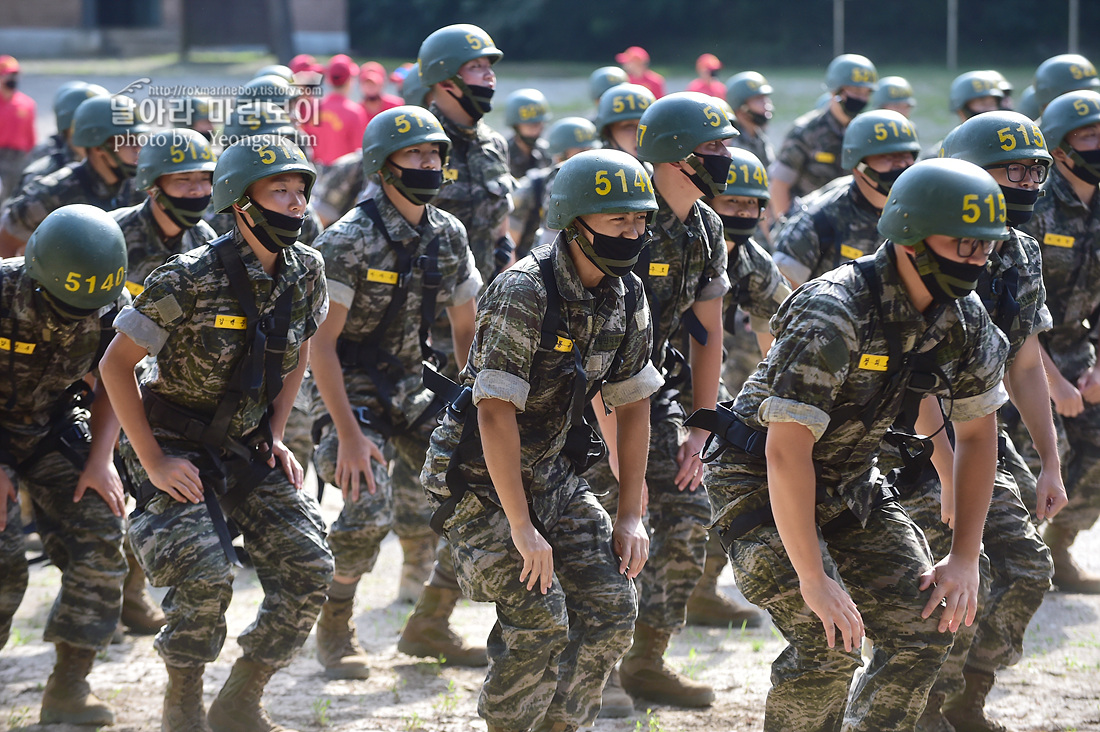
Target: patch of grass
[18, 717]
[448, 700]
[433, 667]
[412, 723]
[320, 709]
[757, 646]
[652, 723]
[694, 664]
[395, 689]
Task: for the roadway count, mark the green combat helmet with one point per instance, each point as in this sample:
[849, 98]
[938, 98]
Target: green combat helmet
[878, 132]
[413, 90]
[892, 90]
[996, 137]
[1064, 115]
[98, 119]
[970, 86]
[283, 72]
[748, 176]
[69, 97]
[526, 106]
[443, 52]
[602, 182]
[945, 197]
[170, 152]
[603, 79]
[674, 125]
[742, 87]
[255, 158]
[1063, 73]
[1028, 105]
[274, 89]
[78, 255]
[622, 102]
[396, 129]
[850, 69]
[257, 118]
[569, 133]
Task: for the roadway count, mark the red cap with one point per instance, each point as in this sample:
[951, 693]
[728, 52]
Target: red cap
[8, 65]
[634, 53]
[708, 62]
[340, 69]
[302, 62]
[373, 71]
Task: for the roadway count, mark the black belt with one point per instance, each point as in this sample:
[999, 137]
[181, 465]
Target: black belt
[724, 424]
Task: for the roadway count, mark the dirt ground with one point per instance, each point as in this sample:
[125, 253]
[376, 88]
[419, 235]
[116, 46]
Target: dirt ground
[1055, 687]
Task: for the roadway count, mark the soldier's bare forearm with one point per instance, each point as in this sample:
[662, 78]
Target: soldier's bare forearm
[632, 441]
[975, 466]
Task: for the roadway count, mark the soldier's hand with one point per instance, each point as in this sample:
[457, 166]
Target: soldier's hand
[178, 477]
[538, 558]
[8, 493]
[1089, 386]
[954, 583]
[630, 541]
[353, 457]
[1068, 401]
[1050, 494]
[691, 465]
[103, 479]
[836, 609]
[291, 467]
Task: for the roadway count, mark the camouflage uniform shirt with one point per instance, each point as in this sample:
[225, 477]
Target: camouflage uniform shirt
[521, 163]
[146, 247]
[52, 155]
[843, 215]
[357, 259]
[531, 198]
[339, 186]
[74, 184]
[828, 335]
[507, 363]
[758, 144]
[810, 155]
[189, 318]
[756, 285]
[477, 186]
[1020, 253]
[1069, 234]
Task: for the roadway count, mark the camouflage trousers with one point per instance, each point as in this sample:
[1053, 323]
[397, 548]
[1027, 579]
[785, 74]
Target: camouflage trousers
[880, 566]
[84, 541]
[177, 546]
[1015, 567]
[549, 655]
[677, 522]
[398, 502]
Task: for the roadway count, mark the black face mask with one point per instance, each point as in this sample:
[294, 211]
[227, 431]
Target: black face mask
[122, 169]
[11, 83]
[945, 278]
[615, 256]
[529, 140]
[852, 106]
[760, 120]
[417, 185]
[881, 182]
[1086, 165]
[476, 101]
[184, 212]
[711, 172]
[275, 231]
[738, 229]
[1020, 203]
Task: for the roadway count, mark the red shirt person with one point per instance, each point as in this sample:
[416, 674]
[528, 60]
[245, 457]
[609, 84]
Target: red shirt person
[635, 62]
[707, 67]
[372, 81]
[342, 121]
[17, 112]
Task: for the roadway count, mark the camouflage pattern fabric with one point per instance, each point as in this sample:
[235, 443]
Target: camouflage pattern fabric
[188, 318]
[52, 145]
[531, 198]
[54, 155]
[1069, 234]
[146, 248]
[824, 331]
[355, 252]
[12, 163]
[75, 184]
[477, 186]
[339, 186]
[83, 539]
[521, 163]
[851, 222]
[810, 154]
[548, 653]
[758, 144]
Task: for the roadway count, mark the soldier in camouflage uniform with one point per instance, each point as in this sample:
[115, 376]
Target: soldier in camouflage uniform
[202, 434]
[58, 150]
[756, 290]
[840, 224]
[57, 306]
[456, 63]
[894, 93]
[1067, 226]
[617, 117]
[565, 138]
[1019, 567]
[805, 430]
[566, 616]
[368, 353]
[526, 111]
[108, 127]
[603, 79]
[810, 155]
[1060, 74]
[684, 271]
[748, 93]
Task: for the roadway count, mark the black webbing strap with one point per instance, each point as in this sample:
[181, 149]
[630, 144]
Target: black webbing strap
[695, 327]
[826, 240]
[999, 297]
[724, 424]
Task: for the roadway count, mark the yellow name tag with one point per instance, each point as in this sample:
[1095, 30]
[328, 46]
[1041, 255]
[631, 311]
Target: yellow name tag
[850, 252]
[20, 346]
[656, 269]
[825, 157]
[873, 363]
[381, 275]
[450, 174]
[134, 288]
[564, 345]
[231, 322]
[1058, 240]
